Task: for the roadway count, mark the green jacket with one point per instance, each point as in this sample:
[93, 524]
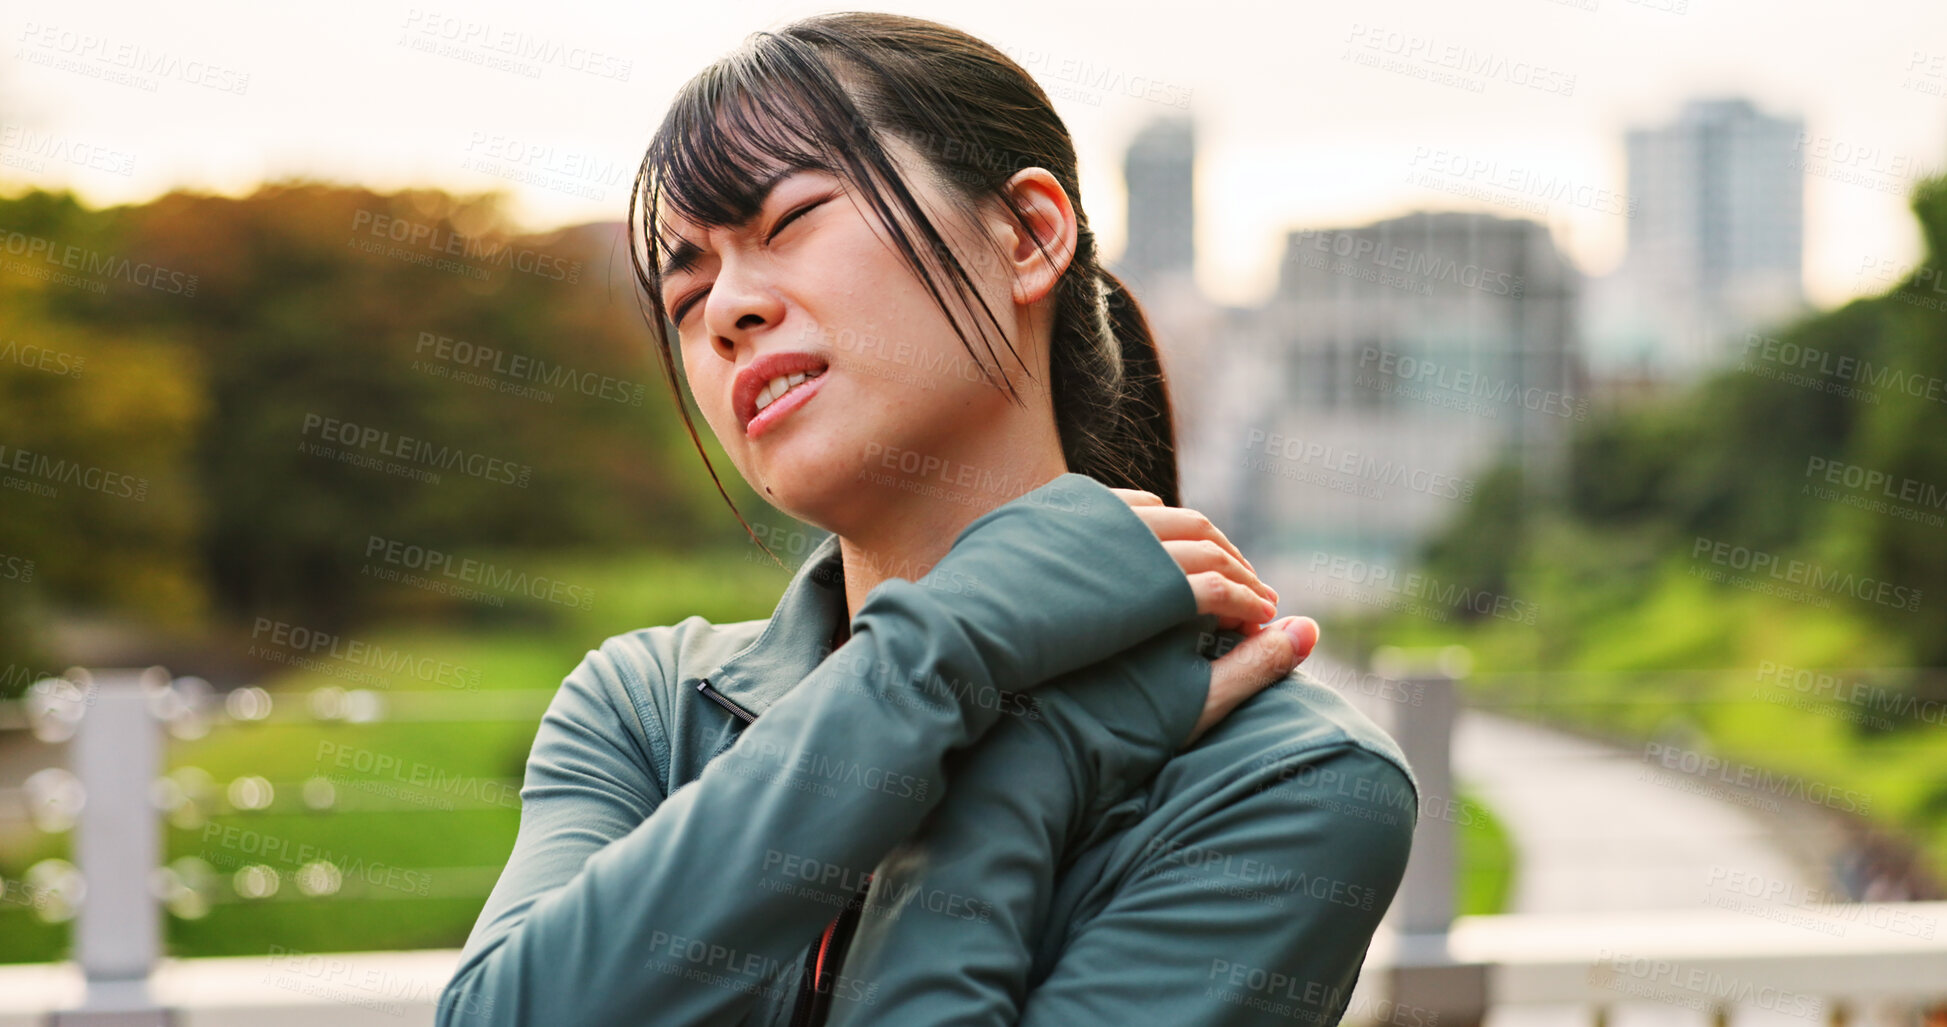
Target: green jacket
[703, 800]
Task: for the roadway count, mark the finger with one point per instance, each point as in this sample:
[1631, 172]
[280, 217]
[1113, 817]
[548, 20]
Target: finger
[1146, 512]
[1172, 523]
[1141, 504]
[1254, 665]
[1181, 522]
[1198, 555]
[1224, 596]
[1177, 522]
[1246, 628]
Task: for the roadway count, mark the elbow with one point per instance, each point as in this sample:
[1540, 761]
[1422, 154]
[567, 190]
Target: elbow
[470, 998]
[1388, 838]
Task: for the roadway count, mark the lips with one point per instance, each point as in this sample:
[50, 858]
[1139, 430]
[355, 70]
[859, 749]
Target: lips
[750, 383]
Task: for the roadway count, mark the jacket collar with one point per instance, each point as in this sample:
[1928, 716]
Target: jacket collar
[796, 638]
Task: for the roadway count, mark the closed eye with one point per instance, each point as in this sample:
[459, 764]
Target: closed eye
[793, 216]
[684, 307]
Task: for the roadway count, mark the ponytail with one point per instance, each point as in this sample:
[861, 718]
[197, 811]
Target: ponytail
[1112, 402]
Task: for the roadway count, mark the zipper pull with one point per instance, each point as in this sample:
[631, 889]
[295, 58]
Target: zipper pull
[703, 685]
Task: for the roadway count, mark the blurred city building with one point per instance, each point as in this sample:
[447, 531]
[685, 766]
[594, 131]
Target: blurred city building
[1406, 357]
[1716, 245]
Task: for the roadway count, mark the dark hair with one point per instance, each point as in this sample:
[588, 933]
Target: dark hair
[820, 93]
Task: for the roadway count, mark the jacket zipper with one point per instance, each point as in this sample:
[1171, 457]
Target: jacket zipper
[723, 700]
[815, 985]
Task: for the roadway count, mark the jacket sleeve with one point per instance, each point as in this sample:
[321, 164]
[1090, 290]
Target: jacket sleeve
[953, 912]
[1257, 910]
[624, 902]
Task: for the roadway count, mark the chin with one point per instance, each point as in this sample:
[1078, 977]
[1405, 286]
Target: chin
[811, 484]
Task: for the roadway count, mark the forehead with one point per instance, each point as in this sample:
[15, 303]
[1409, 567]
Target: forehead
[732, 195]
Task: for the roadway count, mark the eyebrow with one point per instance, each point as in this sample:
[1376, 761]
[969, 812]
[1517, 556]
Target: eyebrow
[685, 254]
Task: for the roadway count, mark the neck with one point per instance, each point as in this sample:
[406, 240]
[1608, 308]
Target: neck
[914, 526]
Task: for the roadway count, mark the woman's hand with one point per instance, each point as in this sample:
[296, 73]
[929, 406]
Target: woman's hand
[1227, 585]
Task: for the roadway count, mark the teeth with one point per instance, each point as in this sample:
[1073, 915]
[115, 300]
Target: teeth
[779, 386]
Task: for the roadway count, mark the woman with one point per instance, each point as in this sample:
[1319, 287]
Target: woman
[979, 765]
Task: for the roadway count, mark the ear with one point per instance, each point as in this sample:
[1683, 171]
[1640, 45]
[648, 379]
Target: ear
[1045, 206]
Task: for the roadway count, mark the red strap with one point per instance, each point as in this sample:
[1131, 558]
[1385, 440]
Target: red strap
[818, 972]
[824, 943]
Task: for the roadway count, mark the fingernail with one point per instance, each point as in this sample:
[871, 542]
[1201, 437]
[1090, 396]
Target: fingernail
[1270, 611]
[1304, 634]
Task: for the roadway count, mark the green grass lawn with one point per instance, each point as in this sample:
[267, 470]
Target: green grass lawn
[1486, 864]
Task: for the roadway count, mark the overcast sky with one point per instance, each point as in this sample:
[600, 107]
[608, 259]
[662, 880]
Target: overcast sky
[1311, 114]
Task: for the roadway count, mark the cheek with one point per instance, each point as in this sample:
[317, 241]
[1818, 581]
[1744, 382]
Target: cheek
[890, 323]
[710, 388]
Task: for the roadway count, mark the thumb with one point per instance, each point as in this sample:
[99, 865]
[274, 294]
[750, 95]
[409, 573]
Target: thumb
[1254, 664]
[1303, 633]
[1270, 654]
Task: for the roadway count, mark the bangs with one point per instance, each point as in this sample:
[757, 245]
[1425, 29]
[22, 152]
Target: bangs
[736, 126]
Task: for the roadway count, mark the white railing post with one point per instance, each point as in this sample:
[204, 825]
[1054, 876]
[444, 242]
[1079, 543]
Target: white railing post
[1426, 900]
[116, 753]
[1425, 975]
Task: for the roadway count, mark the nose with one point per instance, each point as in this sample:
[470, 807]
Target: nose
[742, 302]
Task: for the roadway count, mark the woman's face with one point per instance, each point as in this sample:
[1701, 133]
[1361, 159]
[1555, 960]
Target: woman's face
[814, 279]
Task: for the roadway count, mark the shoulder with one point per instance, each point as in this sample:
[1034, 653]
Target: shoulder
[636, 684]
[645, 664]
[1283, 833]
[1307, 742]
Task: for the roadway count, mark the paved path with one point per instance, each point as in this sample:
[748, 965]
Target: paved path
[1600, 828]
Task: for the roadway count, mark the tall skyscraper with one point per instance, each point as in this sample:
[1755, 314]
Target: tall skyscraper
[1716, 241]
[1159, 172]
[1158, 264]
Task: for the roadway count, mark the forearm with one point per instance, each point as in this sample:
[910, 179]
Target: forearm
[954, 912]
